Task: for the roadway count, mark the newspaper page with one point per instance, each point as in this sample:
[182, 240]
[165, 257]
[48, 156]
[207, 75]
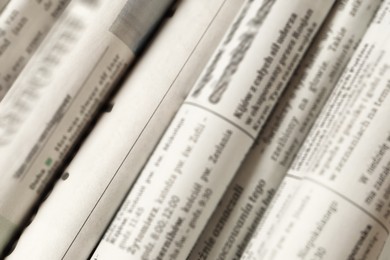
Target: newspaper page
[83, 202]
[243, 205]
[207, 140]
[23, 26]
[53, 100]
[341, 170]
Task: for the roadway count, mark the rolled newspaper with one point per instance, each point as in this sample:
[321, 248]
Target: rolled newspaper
[23, 26]
[92, 188]
[201, 150]
[337, 186]
[248, 196]
[59, 92]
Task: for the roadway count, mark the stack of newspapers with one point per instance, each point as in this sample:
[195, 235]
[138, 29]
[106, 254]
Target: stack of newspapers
[194, 129]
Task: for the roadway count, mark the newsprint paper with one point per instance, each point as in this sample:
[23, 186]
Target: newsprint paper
[204, 145]
[168, 129]
[251, 191]
[338, 183]
[52, 102]
[23, 26]
[81, 205]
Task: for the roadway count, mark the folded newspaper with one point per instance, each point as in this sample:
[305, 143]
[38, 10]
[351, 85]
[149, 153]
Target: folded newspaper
[246, 129]
[52, 102]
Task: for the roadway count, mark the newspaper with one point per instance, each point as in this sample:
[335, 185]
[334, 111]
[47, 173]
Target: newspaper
[186, 176]
[243, 205]
[53, 101]
[338, 184]
[81, 205]
[23, 26]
